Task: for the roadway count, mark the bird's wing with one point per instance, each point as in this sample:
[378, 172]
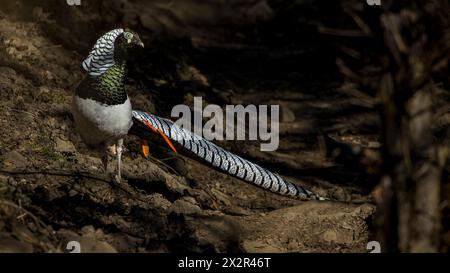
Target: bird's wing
[144, 125]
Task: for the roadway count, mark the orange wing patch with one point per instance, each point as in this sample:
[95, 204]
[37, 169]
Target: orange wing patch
[166, 139]
[144, 148]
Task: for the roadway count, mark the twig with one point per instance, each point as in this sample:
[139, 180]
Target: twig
[164, 164]
[361, 24]
[19, 111]
[342, 32]
[75, 174]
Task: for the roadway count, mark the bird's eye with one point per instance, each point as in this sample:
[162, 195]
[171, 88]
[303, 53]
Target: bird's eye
[128, 36]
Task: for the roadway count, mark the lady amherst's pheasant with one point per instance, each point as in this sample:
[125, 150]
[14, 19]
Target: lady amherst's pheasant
[103, 115]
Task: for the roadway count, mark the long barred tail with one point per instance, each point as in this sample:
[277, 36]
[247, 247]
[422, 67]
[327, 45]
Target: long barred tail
[220, 158]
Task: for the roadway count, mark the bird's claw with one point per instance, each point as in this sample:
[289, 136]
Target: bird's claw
[117, 179]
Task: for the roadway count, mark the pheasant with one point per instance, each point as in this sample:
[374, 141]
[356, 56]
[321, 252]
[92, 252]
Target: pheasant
[103, 115]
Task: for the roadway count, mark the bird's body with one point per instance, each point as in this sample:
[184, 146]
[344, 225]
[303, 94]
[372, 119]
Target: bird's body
[103, 115]
[98, 123]
[102, 109]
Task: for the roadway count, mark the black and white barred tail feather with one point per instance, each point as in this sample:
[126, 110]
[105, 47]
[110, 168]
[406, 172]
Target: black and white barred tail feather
[222, 159]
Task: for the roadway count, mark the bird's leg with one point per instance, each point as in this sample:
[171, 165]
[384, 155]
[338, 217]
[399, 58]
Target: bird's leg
[119, 149]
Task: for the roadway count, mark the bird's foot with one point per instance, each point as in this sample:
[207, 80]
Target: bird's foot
[119, 150]
[117, 179]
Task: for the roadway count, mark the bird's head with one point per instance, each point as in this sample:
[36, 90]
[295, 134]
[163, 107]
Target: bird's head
[111, 48]
[124, 43]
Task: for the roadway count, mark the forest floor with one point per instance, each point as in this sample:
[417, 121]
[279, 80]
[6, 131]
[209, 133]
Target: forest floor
[52, 189]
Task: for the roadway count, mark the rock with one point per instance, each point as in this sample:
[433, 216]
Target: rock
[184, 206]
[158, 201]
[8, 245]
[14, 160]
[52, 123]
[190, 73]
[93, 162]
[330, 236]
[340, 194]
[44, 94]
[11, 50]
[316, 227]
[218, 233]
[94, 246]
[179, 165]
[374, 145]
[3, 179]
[20, 103]
[67, 235]
[308, 227]
[64, 146]
[125, 242]
[91, 240]
[260, 247]
[48, 75]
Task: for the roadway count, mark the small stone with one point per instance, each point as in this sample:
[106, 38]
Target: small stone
[181, 206]
[374, 145]
[330, 236]
[44, 94]
[49, 75]
[90, 160]
[22, 47]
[64, 146]
[72, 193]
[3, 179]
[87, 230]
[52, 123]
[89, 246]
[14, 246]
[14, 159]
[11, 50]
[20, 102]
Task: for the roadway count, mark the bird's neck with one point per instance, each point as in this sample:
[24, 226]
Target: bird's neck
[113, 78]
[110, 85]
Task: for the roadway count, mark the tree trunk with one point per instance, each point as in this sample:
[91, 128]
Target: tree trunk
[408, 214]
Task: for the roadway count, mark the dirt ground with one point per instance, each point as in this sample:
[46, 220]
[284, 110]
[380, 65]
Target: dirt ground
[52, 189]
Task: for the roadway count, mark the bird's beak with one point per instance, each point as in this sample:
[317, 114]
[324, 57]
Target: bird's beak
[140, 43]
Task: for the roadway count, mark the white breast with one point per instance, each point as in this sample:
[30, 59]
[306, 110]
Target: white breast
[97, 122]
